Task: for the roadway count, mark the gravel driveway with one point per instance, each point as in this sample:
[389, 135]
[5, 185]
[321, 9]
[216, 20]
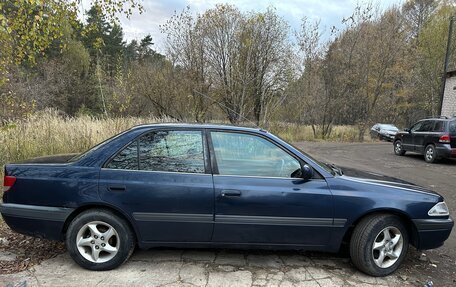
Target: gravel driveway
[168, 267]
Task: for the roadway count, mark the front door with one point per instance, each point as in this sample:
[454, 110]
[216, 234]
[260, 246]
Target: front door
[163, 182]
[421, 134]
[257, 199]
[408, 142]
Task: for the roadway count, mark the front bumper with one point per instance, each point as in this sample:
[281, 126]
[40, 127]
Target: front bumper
[38, 221]
[432, 232]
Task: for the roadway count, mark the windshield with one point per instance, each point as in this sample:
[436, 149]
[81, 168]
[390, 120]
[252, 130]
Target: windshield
[389, 128]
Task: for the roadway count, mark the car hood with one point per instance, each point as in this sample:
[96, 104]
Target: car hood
[383, 180]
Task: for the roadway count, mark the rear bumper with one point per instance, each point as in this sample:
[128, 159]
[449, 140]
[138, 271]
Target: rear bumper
[446, 151]
[432, 233]
[38, 221]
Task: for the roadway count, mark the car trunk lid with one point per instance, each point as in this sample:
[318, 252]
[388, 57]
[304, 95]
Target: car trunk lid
[53, 159]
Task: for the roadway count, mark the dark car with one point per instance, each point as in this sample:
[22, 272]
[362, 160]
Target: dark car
[385, 132]
[178, 185]
[434, 138]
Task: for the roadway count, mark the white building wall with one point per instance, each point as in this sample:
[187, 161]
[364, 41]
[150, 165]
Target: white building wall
[449, 98]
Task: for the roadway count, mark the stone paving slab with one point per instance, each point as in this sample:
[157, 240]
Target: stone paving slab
[217, 268]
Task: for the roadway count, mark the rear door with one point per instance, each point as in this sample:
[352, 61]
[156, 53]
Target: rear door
[422, 134]
[257, 199]
[163, 181]
[407, 138]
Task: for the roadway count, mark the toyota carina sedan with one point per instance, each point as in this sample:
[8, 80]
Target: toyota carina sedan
[184, 185]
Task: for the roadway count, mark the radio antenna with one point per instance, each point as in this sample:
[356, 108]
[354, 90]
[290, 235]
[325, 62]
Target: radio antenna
[224, 106]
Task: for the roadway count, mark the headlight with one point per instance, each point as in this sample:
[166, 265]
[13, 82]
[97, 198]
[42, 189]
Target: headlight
[440, 209]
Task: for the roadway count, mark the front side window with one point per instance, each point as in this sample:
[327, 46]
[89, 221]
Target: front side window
[175, 151]
[416, 127]
[172, 151]
[249, 155]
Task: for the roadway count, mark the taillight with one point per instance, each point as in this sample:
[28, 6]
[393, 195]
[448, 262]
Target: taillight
[8, 182]
[445, 139]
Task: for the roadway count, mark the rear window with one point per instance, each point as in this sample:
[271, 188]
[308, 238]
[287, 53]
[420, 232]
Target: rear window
[453, 127]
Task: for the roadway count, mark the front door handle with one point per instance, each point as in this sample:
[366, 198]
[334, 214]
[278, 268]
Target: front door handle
[117, 188]
[230, 192]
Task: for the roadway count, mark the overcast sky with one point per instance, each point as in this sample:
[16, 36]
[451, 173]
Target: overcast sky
[330, 13]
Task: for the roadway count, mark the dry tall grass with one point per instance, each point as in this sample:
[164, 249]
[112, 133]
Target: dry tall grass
[49, 133]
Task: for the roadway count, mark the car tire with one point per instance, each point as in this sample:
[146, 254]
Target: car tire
[379, 244]
[99, 240]
[398, 149]
[430, 154]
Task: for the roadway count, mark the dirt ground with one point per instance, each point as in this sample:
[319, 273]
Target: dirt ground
[439, 265]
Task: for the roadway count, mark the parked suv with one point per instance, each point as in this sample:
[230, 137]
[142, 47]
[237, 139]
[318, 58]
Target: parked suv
[434, 138]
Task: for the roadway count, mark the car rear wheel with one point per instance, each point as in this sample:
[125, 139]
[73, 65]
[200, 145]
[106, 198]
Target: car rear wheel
[430, 154]
[99, 240]
[379, 244]
[398, 149]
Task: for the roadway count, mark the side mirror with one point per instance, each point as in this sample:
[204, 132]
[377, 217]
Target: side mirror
[307, 172]
[407, 130]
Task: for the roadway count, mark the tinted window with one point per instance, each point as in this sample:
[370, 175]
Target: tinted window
[175, 151]
[243, 154]
[416, 127]
[126, 159]
[439, 126]
[453, 127]
[427, 126]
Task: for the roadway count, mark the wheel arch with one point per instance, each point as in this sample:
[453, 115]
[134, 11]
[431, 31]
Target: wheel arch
[99, 205]
[408, 223]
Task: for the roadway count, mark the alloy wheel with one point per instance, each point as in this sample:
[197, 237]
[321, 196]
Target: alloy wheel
[387, 247]
[398, 147]
[429, 154]
[97, 241]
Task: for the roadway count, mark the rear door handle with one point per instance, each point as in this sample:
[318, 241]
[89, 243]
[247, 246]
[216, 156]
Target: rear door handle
[117, 188]
[230, 192]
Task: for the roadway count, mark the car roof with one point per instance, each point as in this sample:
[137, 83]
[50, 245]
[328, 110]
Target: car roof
[438, 119]
[197, 125]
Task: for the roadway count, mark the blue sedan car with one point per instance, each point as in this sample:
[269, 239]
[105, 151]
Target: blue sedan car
[185, 185]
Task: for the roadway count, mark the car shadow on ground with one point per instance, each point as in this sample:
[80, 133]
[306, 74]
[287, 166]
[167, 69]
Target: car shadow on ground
[442, 161]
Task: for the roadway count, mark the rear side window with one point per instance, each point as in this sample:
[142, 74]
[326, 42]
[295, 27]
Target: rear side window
[439, 126]
[171, 151]
[175, 151]
[126, 159]
[452, 127]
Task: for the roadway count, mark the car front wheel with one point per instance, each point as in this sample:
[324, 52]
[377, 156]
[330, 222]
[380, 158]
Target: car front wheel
[99, 240]
[379, 244]
[398, 149]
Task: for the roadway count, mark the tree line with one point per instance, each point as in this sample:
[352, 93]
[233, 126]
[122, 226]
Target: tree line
[381, 65]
